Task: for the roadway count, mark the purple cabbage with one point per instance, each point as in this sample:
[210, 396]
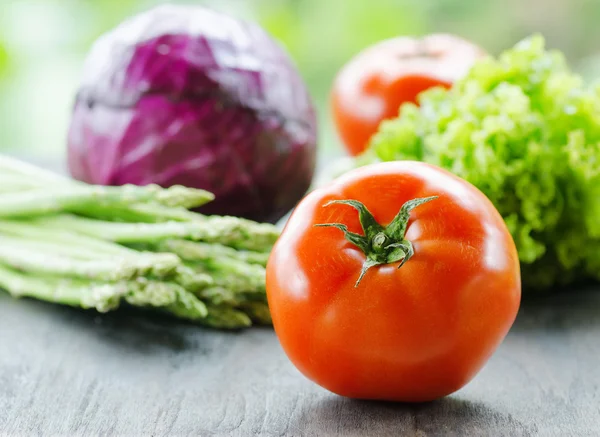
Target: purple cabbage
[185, 95]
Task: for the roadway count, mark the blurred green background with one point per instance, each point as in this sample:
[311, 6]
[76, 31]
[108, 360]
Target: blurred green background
[43, 44]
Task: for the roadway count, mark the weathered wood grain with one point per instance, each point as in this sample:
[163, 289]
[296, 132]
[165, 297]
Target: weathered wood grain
[70, 372]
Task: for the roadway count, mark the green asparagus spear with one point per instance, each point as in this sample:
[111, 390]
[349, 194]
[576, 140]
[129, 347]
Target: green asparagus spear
[234, 275]
[225, 317]
[188, 307]
[199, 251]
[31, 230]
[58, 249]
[145, 293]
[101, 297]
[192, 280]
[218, 295]
[20, 176]
[138, 213]
[174, 196]
[46, 200]
[14, 253]
[228, 231]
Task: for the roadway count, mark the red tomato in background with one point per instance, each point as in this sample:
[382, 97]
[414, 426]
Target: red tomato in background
[414, 333]
[373, 85]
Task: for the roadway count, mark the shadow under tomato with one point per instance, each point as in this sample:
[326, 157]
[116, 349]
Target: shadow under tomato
[449, 416]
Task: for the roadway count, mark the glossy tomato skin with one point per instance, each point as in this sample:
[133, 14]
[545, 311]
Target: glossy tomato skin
[373, 85]
[411, 334]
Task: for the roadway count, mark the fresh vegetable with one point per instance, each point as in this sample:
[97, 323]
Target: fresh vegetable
[395, 282]
[372, 86]
[526, 131]
[95, 247]
[182, 95]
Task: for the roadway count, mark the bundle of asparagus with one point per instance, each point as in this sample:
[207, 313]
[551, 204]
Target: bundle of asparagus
[95, 247]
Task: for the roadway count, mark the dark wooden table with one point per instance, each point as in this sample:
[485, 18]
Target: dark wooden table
[69, 372]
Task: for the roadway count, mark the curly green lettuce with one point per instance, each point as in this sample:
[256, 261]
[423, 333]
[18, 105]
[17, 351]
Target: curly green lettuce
[525, 130]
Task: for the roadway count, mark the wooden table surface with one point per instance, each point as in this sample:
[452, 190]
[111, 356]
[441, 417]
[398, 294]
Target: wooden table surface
[69, 372]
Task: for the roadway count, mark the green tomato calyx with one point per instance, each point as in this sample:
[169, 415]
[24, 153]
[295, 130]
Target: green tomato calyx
[380, 244]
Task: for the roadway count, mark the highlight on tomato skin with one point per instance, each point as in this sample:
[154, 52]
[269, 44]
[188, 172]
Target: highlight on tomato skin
[354, 322]
[371, 86]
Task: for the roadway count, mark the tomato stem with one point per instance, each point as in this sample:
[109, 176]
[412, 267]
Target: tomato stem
[381, 245]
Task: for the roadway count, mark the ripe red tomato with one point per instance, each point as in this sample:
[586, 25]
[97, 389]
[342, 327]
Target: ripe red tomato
[440, 294]
[373, 85]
